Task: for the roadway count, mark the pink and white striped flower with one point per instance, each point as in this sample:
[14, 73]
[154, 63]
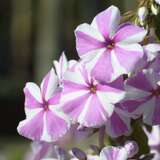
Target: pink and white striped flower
[109, 49]
[86, 100]
[143, 96]
[44, 119]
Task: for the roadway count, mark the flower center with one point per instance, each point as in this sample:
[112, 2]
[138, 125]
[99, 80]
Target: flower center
[93, 89]
[156, 92]
[110, 44]
[46, 105]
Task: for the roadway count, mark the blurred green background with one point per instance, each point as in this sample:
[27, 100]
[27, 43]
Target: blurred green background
[32, 34]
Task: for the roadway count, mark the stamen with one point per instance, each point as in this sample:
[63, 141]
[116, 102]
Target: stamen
[110, 46]
[93, 89]
[46, 106]
[156, 92]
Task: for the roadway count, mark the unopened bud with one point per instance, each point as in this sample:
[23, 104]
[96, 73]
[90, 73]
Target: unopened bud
[142, 14]
[132, 148]
[79, 154]
[154, 9]
[157, 1]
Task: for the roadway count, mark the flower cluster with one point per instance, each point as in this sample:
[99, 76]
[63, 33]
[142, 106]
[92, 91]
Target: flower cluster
[115, 82]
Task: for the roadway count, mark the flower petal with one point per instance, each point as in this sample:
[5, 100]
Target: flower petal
[88, 39]
[156, 113]
[33, 97]
[107, 21]
[152, 50]
[134, 34]
[74, 106]
[114, 153]
[49, 84]
[93, 114]
[128, 55]
[57, 124]
[101, 66]
[110, 95]
[118, 125]
[61, 66]
[32, 128]
[140, 81]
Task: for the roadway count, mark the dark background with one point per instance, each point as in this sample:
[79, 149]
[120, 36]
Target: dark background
[32, 34]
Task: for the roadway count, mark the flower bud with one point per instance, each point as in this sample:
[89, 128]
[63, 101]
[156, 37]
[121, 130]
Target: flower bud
[132, 148]
[154, 9]
[157, 1]
[79, 154]
[142, 14]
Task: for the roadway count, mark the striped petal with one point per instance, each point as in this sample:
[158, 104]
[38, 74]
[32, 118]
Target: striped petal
[107, 21]
[128, 56]
[110, 94]
[140, 81]
[32, 128]
[93, 114]
[56, 125]
[134, 34]
[88, 39]
[61, 66]
[114, 153]
[33, 98]
[156, 113]
[49, 85]
[147, 109]
[101, 66]
[152, 50]
[73, 106]
[118, 124]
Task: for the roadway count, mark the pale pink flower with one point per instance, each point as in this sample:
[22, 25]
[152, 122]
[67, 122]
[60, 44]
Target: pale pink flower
[44, 119]
[110, 50]
[86, 100]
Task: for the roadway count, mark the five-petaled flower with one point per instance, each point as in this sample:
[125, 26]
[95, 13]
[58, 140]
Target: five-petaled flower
[109, 49]
[88, 101]
[44, 119]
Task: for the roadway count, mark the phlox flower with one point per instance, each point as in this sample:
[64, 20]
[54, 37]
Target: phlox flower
[44, 119]
[86, 100]
[143, 96]
[108, 48]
